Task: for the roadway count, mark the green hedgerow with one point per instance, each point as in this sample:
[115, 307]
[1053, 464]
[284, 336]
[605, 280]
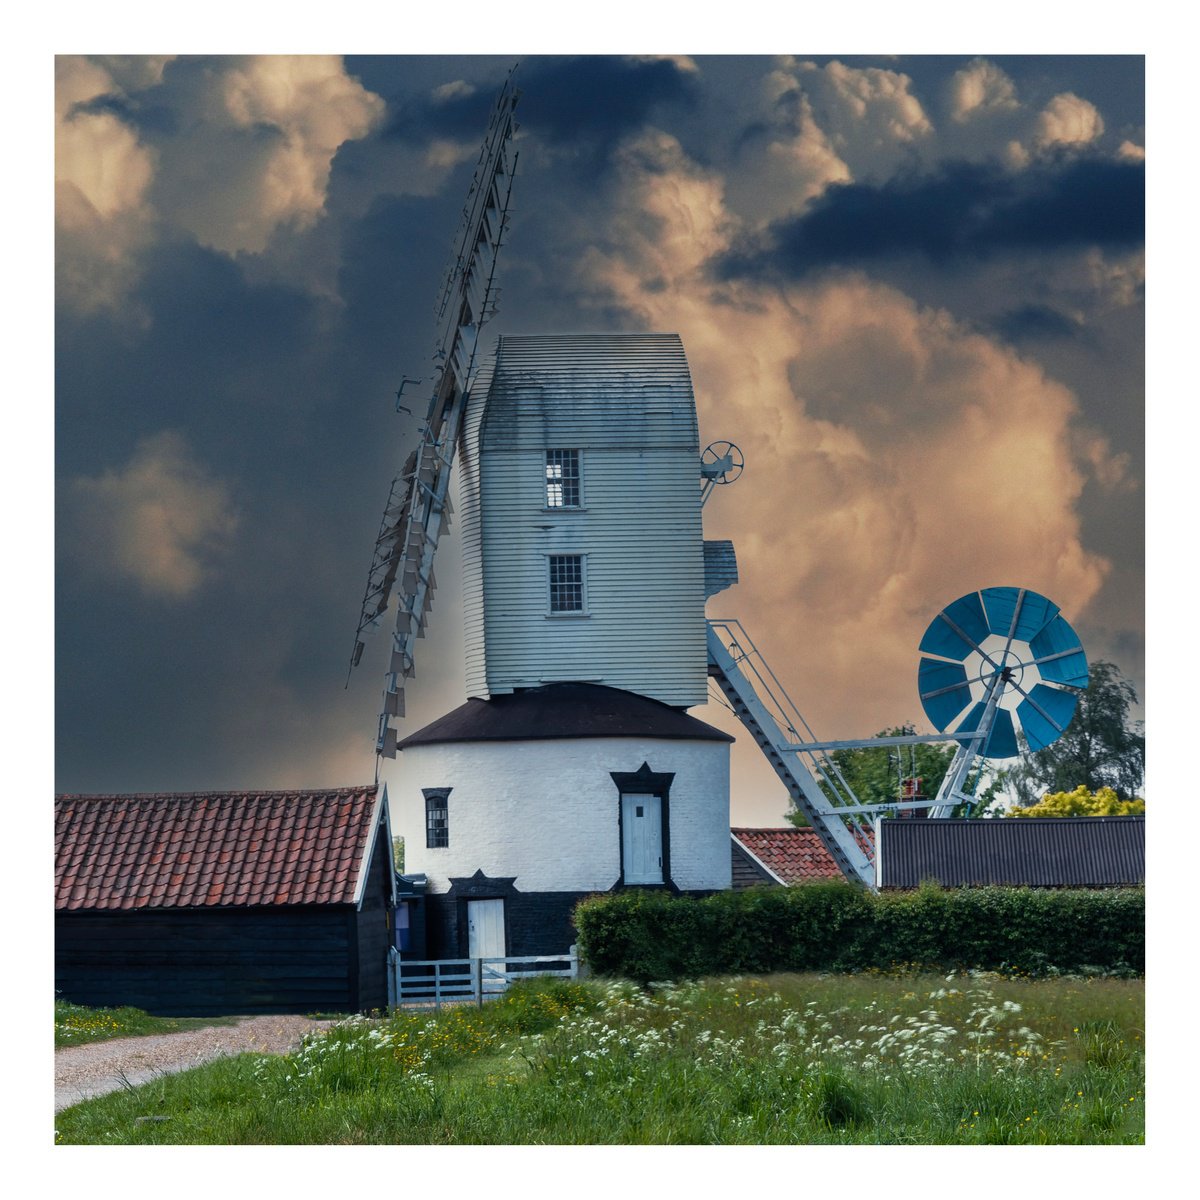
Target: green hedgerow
[651, 935]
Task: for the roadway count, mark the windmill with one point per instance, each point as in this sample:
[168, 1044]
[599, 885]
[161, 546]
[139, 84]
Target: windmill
[418, 506]
[574, 767]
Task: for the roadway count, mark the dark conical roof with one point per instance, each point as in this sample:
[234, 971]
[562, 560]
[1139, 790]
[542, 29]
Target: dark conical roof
[563, 710]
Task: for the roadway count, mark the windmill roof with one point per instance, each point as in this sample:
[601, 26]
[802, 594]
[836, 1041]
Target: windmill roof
[211, 849]
[564, 710]
[792, 855]
[588, 389]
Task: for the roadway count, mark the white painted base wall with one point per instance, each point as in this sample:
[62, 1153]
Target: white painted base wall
[546, 811]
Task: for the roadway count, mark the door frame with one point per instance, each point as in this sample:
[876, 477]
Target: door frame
[644, 781]
[647, 824]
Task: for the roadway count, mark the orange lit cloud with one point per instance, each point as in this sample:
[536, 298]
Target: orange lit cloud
[980, 88]
[101, 174]
[895, 459]
[1068, 120]
[161, 521]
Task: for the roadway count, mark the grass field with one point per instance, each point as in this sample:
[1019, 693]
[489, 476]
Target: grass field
[75, 1024]
[778, 1059]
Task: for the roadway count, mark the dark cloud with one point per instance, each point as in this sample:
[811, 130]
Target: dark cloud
[597, 97]
[571, 101]
[284, 401]
[965, 211]
[150, 120]
[112, 103]
[1035, 323]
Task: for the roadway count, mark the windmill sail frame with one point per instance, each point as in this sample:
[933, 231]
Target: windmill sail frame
[418, 506]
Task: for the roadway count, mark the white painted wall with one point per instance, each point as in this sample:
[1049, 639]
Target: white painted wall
[546, 811]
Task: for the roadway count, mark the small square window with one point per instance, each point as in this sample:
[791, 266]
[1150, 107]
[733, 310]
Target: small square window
[562, 478]
[437, 817]
[566, 583]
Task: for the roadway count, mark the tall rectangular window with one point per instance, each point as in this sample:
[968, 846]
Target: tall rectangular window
[437, 817]
[562, 478]
[566, 583]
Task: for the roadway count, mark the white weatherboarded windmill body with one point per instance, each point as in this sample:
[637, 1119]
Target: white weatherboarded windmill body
[573, 767]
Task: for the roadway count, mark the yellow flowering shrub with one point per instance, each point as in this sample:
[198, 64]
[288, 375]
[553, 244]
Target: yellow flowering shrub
[1083, 802]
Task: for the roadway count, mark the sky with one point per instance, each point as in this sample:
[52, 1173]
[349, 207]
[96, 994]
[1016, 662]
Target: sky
[910, 288]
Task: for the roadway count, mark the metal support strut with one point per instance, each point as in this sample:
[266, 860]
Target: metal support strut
[811, 775]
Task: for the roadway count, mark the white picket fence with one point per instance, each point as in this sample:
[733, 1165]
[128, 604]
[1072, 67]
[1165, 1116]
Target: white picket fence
[430, 983]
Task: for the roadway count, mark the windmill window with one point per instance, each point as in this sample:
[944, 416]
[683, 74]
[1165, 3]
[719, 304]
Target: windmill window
[562, 478]
[566, 583]
[437, 817]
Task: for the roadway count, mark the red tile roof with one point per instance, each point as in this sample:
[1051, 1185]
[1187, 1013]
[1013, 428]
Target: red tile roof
[204, 849]
[795, 855]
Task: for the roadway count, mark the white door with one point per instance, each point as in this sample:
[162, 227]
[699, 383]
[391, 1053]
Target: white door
[485, 929]
[641, 832]
[485, 939]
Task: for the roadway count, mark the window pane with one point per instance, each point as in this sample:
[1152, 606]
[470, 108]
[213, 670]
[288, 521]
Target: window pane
[562, 478]
[566, 583]
[437, 818]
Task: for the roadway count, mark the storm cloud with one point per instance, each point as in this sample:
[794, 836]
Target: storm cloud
[911, 290]
[965, 211]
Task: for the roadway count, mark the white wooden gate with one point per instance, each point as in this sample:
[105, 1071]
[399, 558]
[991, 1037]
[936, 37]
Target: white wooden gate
[430, 983]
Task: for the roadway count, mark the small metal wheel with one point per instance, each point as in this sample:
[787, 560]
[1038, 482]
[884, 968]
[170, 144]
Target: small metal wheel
[716, 453]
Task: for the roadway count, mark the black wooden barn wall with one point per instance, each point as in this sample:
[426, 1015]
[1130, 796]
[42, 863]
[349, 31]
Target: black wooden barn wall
[215, 961]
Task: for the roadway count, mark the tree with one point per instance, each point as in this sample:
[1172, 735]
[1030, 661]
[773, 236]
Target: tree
[1101, 747]
[398, 854]
[1082, 802]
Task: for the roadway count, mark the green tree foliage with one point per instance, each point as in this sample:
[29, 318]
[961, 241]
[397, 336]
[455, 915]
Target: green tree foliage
[398, 854]
[1101, 747]
[1082, 802]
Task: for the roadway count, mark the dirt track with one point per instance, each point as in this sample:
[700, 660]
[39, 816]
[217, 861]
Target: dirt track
[82, 1072]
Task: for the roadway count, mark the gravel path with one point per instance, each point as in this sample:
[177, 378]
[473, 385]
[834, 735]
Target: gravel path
[82, 1072]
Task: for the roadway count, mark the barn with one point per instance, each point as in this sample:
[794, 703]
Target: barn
[207, 903]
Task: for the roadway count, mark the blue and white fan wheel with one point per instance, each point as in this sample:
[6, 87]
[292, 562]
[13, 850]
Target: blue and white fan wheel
[1011, 640]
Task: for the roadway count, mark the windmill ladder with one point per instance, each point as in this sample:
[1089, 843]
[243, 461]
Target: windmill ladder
[756, 705]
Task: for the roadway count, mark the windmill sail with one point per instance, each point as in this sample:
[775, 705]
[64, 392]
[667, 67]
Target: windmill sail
[418, 506]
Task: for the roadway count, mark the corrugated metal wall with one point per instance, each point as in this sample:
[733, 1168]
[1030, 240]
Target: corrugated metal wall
[625, 402]
[1037, 851]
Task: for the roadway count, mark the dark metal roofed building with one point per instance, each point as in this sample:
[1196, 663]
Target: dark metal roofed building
[564, 710]
[1033, 852]
[224, 902]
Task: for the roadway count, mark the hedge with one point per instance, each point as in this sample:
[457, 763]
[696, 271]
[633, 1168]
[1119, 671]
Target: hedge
[651, 935]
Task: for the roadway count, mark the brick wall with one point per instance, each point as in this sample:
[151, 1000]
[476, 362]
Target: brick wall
[545, 814]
